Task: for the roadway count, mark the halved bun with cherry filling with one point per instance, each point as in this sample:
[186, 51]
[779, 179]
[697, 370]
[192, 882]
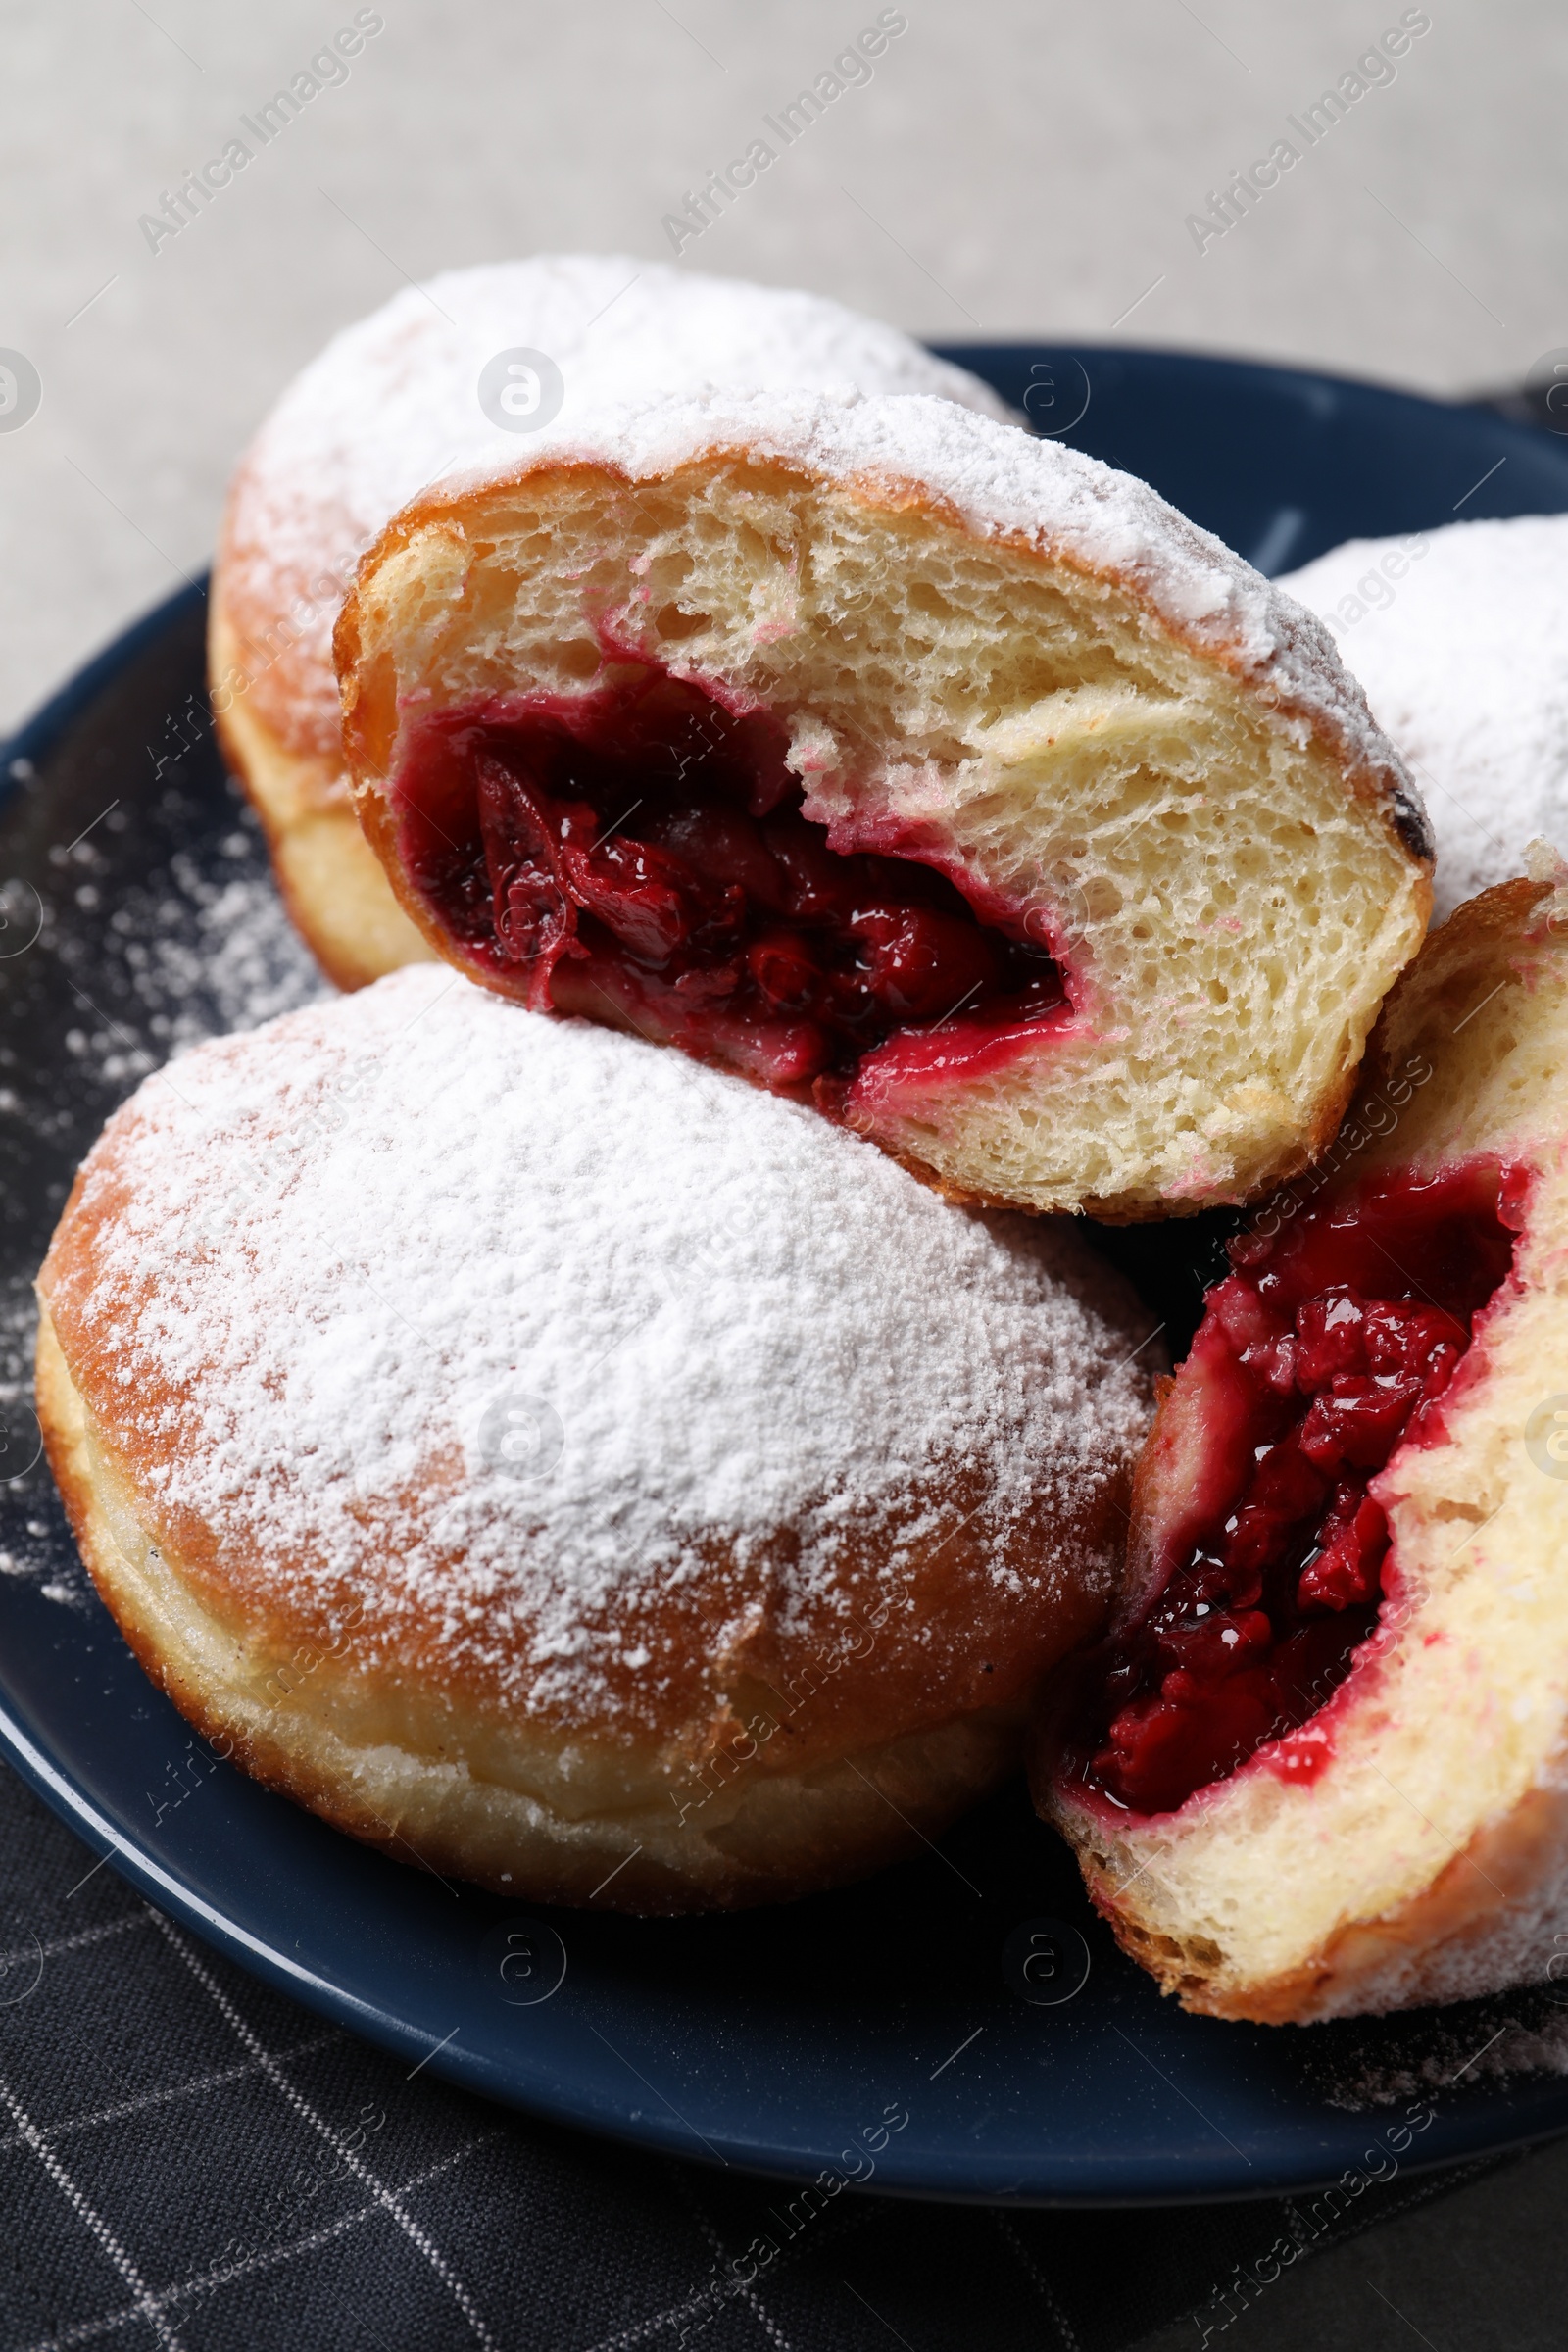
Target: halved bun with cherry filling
[901, 763]
[404, 396]
[1320, 1765]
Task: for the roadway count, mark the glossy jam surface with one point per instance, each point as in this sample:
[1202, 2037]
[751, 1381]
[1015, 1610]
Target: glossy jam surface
[1326, 1348]
[640, 854]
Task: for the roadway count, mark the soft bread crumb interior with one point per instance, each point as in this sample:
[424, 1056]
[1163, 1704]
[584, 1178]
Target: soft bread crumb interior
[1231, 913]
[1449, 1754]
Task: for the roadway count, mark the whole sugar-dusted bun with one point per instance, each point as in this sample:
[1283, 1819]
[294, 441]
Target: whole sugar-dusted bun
[467, 369]
[1460, 638]
[899, 761]
[575, 1469]
[1320, 1764]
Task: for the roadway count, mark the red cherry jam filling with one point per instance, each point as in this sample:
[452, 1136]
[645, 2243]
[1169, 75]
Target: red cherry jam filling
[640, 853]
[1326, 1348]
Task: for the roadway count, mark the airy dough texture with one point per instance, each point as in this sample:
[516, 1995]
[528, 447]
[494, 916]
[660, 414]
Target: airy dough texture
[390, 405]
[1086, 706]
[1428, 1860]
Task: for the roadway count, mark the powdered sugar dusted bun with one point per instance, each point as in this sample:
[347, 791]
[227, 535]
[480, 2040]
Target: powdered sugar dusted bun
[394, 402]
[538, 1453]
[1402, 1836]
[1100, 871]
[1460, 638]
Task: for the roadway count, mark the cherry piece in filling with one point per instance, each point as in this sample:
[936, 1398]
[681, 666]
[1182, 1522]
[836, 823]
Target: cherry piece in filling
[1325, 1350]
[640, 853]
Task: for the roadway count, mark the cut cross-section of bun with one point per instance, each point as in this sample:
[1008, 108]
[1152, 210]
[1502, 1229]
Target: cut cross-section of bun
[891, 757]
[404, 396]
[1320, 1764]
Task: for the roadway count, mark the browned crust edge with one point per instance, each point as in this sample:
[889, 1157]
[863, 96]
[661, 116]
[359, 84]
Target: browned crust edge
[1369, 1966]
[1381, 781]
[369, 727]
[311, 830]
[726, 1874]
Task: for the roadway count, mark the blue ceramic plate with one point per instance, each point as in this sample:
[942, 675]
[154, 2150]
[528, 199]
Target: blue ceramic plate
[951, 1992]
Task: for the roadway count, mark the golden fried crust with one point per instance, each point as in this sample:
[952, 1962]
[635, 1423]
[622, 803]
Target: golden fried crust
[737, 1828]
[779, 1801]
[331, 879]
[269, 615]
[917, 1679]
[1402, 1960]
[368, 730]
[955, 1640]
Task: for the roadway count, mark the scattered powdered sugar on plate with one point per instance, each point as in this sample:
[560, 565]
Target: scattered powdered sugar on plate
[200, 947]
[1447, 2049]
[216, 955]
[191, 955]
[372, 1248]
[1460, 638]
[29, 1512]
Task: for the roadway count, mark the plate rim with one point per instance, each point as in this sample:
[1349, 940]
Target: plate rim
[53, 1782]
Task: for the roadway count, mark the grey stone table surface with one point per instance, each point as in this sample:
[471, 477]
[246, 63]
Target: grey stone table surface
[1009, 168]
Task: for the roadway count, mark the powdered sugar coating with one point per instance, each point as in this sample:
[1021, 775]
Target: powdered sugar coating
[392, 404]
[1462, 646]
[1003, 483]
[346, 1240]
[1527, 2033]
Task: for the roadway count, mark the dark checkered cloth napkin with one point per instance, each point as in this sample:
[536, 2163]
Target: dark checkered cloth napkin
[188, 2160]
